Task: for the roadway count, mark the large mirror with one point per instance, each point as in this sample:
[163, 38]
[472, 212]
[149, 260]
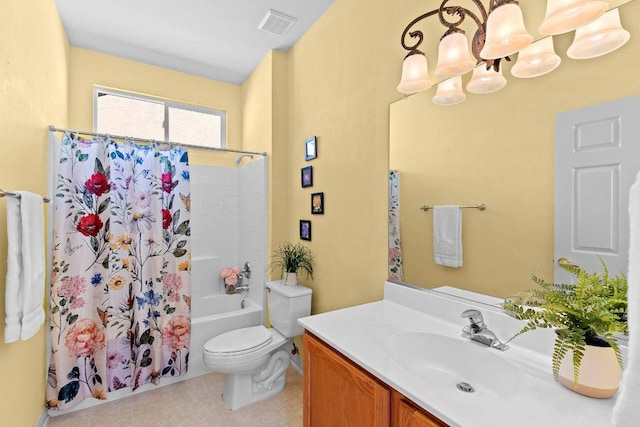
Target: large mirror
[496, 149]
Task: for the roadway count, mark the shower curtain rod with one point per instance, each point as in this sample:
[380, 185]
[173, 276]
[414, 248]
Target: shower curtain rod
[229, 150]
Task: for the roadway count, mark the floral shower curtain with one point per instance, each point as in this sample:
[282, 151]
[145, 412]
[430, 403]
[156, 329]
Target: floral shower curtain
[395, 247]
[120, 286]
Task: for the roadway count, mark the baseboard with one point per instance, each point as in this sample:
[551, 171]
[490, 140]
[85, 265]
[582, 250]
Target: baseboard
[43, 421]
[296, 362]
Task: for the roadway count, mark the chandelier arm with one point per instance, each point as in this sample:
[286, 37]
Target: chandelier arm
[416, 33]
[462, 13]
[483, 10]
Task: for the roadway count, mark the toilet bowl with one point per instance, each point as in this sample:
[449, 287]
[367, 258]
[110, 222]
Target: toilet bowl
[255, 359]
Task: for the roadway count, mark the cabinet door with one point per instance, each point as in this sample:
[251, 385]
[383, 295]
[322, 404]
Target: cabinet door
[405, 414]
[338, 393]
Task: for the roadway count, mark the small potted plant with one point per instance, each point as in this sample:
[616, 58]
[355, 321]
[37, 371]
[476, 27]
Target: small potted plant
[290, 259]
[587, 315]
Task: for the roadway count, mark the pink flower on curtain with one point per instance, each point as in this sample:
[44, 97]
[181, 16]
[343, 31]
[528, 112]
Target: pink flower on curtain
[171, 284]
[98, 184]
[89, 225]
[143, 199]
[84, 338]
[176, 332]
[114, 360]
[72, 286]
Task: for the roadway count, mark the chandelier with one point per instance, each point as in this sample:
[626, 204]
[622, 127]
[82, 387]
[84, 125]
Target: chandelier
[500, 34]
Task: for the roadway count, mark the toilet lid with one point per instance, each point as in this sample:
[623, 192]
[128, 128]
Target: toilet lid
[239, 340]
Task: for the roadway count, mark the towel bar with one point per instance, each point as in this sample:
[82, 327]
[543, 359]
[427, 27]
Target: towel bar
[480, 207]
[9, 193]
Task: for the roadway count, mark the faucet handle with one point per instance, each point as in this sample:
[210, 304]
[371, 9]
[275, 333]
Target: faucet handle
[474, 316]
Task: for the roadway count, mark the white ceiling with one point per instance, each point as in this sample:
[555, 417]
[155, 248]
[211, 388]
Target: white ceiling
[218, 39]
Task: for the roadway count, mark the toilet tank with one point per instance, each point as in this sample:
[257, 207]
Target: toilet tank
[286, 305]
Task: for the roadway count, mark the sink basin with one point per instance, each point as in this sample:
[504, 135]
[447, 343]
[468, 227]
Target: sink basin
[447, 361]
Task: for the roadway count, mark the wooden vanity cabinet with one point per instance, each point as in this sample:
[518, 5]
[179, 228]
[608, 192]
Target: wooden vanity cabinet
[338, 393]
[405, 413]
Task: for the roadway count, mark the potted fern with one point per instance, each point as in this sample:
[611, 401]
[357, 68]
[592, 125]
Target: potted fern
[290, 259]
[587, 315]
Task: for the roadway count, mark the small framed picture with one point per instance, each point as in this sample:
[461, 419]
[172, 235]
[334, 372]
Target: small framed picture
[310, 149]
[317, 203]
[305, 229]
[306, 176]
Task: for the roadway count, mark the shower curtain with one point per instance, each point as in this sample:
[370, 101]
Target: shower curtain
[120, 283]
[395, 246]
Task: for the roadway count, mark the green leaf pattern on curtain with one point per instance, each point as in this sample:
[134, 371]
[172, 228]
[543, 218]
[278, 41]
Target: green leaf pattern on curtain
[120, 285]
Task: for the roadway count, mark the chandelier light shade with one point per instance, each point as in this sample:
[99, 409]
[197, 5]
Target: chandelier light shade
[415, 74]
[563, 16]
[495, 31]
[537, 59]
[450, 92]
[506, 33]
[598, 38]
[453, 56]
[486, 81]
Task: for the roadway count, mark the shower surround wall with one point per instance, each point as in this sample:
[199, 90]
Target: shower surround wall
[228, 227]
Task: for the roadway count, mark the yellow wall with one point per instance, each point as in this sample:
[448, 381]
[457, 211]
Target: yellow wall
[342, 77]
[265, 103]
[497, 149]
[33, 94]
[88, 69]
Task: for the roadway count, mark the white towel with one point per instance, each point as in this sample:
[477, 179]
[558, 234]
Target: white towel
[626, 411]
[24, 291]
[447, 235]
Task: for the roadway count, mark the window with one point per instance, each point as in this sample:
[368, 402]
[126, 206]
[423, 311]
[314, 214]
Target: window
[124, 114]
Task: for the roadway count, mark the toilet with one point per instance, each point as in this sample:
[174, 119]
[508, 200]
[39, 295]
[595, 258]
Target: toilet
[255, 359]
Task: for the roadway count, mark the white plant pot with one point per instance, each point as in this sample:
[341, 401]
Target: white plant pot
[599, 372]
[291, 279]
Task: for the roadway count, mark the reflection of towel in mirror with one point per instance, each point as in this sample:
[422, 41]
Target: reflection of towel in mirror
[447, 235]
[626, 412]
[24, 292]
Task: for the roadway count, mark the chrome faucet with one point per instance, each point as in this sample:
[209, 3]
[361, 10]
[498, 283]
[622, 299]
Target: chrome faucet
[476, 330]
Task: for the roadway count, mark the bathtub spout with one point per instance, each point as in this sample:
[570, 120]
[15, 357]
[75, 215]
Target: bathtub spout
[235, 289]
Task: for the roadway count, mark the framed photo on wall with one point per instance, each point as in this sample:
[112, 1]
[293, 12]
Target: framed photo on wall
[310, 149]
[317, 203]
[306, 176]
[305, 229]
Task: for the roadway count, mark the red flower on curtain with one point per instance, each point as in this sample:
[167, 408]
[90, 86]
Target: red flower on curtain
[98, 184]
[167, 182]
[89, 225]
[166, 218]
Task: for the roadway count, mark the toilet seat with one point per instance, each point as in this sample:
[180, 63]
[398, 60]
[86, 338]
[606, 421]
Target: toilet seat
[239, 341]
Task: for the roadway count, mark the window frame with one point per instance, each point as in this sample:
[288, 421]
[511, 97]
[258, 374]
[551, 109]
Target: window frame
[166, 104]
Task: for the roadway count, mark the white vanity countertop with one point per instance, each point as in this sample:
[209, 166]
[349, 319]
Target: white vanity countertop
[360, 333]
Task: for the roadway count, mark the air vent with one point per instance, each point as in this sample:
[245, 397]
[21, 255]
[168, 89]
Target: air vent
[276, 22]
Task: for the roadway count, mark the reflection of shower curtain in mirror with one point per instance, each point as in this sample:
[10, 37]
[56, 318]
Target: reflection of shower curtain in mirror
[120, 285]
[395, 249]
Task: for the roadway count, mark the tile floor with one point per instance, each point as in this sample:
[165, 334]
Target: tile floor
[192, 403]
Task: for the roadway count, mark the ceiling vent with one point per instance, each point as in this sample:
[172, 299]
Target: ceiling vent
[276, 22]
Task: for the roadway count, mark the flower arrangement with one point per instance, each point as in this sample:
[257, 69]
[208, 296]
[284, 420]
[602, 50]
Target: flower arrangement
[231, 276]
